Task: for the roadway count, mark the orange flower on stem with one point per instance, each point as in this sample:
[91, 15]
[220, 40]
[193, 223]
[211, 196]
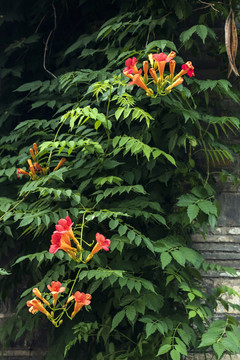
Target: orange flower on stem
[32, 170]
[61, 162]
[23, 172]
[32, 154]
[37, 167]
[138, 80]
[128, 74]
[161, 67]
[65, 227]
[35, 148]
[55, 288]
[153, 75]
[39, 295]
[62, 242]
[187, 68]
[145, 70]
[172, 65]
[131, 66]
[102, 243]
[176, 83]
[81, 299]
[35, 306]
[151, 60]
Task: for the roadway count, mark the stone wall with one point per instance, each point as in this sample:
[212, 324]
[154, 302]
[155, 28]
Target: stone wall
[222, 246]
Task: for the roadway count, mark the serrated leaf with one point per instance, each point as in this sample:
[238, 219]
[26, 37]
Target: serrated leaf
[192, 212]
[122, 230]
[26, 221]
[175, 355]
[207, 207]
[179, 257]
[150, 329]
[117, 319]
[202, 31]
[131, 313]
[164, 349]
[165, 259]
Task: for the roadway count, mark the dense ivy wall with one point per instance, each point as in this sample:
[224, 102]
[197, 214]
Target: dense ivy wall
[137, 170]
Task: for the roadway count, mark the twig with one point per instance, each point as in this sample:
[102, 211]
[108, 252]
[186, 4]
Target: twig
[39, 24]
[48, 38]
[208, 5]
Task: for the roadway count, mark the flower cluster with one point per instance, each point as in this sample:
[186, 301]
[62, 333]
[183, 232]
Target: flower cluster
[55, 289]
[61, 239]
[158, 62]
[35, 169]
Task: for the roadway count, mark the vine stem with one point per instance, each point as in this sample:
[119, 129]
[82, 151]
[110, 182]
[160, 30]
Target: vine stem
[74, 282]
[14, 207]
[55, 138]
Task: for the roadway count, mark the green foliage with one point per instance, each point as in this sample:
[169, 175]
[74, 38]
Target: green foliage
[138, 170]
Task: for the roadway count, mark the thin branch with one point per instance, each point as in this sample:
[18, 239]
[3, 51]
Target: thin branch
[39, 24]
[48, 38]
[209, 5]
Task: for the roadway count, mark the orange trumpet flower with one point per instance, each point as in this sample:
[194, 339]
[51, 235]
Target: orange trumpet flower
[39, 295]
[35, 306]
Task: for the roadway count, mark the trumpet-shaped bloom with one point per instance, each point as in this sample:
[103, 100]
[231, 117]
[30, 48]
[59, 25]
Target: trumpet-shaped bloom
[102, 243]
[35, 306]
[174, 84]
[131, 66]
[23, 172]
[55, 288]
[81, 299]
[128, 73]
[172, 65]
[188, 69]
[164, 57]
[130, 63]
[61, 241]
[61, 162]
[39, 295]
[160, 57]
[64, 225]
[153, 75]
[137, 80]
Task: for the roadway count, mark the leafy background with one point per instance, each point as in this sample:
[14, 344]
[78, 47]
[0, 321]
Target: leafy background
[138, 170]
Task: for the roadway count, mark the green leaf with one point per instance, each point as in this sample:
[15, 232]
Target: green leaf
[150, 329]
[26, 221]
[202, 31]
[4, 272]
[192, 212]
[131, 313]
[211, 336]
[122, 230]
[117, 319]
[175, 355]
[179, 257]
[161, 44]
[192, 314]
[164, 349]
[186, 200]
[207, 207]
[131, 235]
[118, 113]
[219, 349]
[165, 259]
[113, 224]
